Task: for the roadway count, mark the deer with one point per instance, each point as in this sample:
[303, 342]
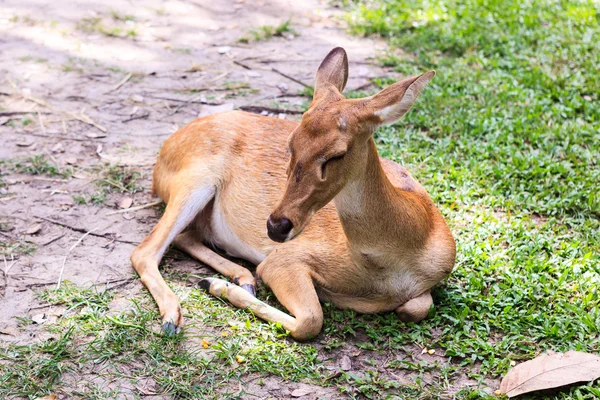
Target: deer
[342, 224]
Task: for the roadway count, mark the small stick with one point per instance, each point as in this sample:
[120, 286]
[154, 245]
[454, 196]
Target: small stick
[62, 269]
[121, 83]
[156, 203]
[12, 113]
[291, 78]
[41, 122]
[76, 229]
[251, 108]
[52, 240]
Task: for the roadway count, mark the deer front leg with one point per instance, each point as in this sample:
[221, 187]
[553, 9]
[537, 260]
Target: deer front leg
[190, 243]
[415, 310]
[145, 258]
[294, 289]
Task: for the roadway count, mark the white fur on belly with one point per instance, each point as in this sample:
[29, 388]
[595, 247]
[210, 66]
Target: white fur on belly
[222, 236]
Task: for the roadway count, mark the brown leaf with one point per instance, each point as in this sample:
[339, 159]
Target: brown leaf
[125, 202]
[301, 392]
[346, 364]
[49, 397]
[551, 371]
[33, 229]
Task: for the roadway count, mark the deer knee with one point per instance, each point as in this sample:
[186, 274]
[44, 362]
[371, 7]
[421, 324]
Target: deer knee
[415, 310]
[307, 327]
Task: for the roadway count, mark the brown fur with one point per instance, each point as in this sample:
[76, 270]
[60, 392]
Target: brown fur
[380, 245]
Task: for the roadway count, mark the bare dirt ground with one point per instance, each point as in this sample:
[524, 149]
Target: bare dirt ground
[88, 86]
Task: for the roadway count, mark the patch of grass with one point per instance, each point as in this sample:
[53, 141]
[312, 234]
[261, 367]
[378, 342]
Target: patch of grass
[96, 25]
[505, 139]
[39, 165]
[185, 366]
[110, 179]
[267, 32]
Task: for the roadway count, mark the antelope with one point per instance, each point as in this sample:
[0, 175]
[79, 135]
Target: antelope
[342, 224]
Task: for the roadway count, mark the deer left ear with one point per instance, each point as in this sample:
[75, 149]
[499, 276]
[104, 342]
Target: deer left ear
[333, 71]
[393, 102]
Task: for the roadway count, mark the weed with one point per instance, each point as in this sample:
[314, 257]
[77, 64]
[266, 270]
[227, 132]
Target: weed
[267, 32]
[39, 165]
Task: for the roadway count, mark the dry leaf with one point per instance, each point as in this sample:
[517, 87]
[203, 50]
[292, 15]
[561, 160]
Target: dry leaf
[301, 392]
[551, 371]
[125, 202]
[38, 318]
[33, 229]
[96, 135]
[346, 364]
[24, 144]
[49, 397]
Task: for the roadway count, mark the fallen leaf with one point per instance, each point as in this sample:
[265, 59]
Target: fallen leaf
[49, 397]
[346, 363]
[96, 135]
[38, 318]
[9, 331]
[125, 202]
[551, 371]
[24, 144]
[71, 160]
[33, 229]
[301, 392]
[57, 148]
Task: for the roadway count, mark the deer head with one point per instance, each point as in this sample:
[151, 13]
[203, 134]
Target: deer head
[329, 146]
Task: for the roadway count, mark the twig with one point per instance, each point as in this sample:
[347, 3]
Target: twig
[291, 78]
[52, 137]
[156, 203]
[258, 109]
[52, 240]
[183, 100]
[62, 269]
[121, 83]
[41, 122]
[12, 113]
[76, 229]
[83, 118]
[134, 117]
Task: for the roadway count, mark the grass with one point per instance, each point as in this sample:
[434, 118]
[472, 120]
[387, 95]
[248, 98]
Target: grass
[39, 165]
[267, 32]
[111, 179]
[90, 339]
[96, 25]
[506, 140]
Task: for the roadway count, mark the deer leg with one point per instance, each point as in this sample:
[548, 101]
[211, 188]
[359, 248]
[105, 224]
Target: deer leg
[294, 289]
[145, 258]
[190, 243]
[415, 310]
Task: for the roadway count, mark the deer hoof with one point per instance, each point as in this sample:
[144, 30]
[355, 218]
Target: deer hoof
[170, 329]
[205, 283]
[249, 288]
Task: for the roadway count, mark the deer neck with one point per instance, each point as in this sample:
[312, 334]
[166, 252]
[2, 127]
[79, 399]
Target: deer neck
[377, 216]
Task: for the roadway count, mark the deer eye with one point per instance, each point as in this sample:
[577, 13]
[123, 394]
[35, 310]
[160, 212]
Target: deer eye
[331, 160]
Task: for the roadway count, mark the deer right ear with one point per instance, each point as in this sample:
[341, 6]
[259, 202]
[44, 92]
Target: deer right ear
[333, 71]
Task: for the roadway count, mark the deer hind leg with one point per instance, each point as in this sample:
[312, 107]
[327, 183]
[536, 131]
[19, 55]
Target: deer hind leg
[191, 243]
[180, 212]
[415, 310]
[294, 289]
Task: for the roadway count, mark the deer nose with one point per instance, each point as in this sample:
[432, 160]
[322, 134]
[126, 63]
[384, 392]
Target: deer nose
[279, 228]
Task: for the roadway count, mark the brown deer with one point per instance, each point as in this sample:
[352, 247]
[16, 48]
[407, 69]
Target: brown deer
[380, 245]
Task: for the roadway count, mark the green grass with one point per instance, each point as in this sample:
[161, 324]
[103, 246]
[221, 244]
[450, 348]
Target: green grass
[127, 345]
[506, 139]
[110, 179]
[39, 165]
[267, 32]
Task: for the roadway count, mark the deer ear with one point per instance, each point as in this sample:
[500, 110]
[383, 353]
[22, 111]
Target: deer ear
[394, 101]
[333, 71]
